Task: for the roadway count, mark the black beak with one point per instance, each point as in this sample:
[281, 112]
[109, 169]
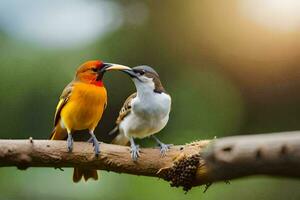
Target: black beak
[105, 67]
[125, 69]
[131, 73]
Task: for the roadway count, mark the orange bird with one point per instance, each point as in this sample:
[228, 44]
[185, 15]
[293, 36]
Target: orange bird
[81, 106]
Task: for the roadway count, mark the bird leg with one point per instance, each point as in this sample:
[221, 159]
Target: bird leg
[163, 147]
[135, 150]
[95, 142]
[70, 142]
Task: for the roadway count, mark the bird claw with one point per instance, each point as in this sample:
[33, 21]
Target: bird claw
[70, 143]
[164, 148]
[135, 152]
[95, 144]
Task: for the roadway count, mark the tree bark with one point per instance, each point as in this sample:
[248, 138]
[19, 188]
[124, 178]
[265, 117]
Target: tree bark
[197, 163]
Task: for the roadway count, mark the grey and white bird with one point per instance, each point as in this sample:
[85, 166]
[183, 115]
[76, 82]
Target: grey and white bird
[145, 112]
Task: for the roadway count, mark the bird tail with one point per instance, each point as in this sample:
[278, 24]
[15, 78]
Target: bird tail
[85, 173]
[116, 129]
[60, 133]
[120, 139]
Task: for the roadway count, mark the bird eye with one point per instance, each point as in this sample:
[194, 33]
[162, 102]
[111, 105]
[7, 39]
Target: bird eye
[94, 69]
[138, 71]
[142, 72]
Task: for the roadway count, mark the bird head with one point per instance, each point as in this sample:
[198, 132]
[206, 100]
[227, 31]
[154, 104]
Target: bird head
[144, 77]
[92, 71]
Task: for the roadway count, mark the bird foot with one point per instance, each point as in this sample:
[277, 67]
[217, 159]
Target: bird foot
[164, 148]
[70, 143]
[96, 145]
[135, 152]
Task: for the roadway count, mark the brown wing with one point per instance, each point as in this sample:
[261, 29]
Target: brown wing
[64, 97]
[126, 109]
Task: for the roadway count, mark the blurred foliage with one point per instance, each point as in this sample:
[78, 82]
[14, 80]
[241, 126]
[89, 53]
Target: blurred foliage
[203, 59]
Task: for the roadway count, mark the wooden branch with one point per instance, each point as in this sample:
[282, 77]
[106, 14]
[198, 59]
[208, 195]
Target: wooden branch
[276, 154]
[184, 165]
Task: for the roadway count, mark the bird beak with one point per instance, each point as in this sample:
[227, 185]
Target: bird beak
[123, 68]
[112, 66]
[131, 73]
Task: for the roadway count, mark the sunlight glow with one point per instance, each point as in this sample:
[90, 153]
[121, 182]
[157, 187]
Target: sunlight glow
[282, 15]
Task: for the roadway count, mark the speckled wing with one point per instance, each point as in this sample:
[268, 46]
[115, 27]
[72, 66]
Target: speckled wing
[125, 110]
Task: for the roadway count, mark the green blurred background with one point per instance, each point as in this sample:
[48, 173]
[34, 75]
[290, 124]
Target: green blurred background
[232, 67]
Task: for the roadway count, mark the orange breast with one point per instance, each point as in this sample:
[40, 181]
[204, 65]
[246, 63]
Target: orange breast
[85, 107]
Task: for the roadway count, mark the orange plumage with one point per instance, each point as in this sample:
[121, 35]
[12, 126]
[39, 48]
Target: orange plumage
[81, 107]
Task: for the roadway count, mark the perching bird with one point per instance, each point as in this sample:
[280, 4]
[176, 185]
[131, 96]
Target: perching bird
[145, 112]
[80, 107]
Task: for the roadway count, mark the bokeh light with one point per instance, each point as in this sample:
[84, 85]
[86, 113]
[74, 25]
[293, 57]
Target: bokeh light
[280, 15]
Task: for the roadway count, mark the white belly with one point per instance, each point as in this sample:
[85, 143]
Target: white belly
[137, 127]
[147, 116]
